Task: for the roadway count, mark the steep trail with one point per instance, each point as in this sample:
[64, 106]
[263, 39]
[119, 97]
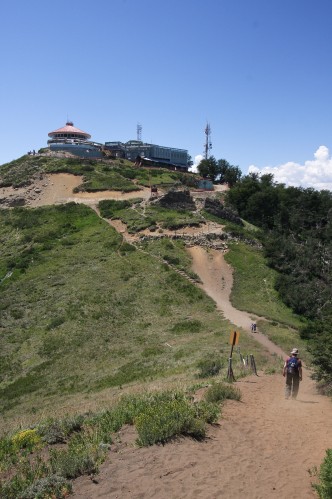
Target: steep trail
[264, 446]
[217, 281]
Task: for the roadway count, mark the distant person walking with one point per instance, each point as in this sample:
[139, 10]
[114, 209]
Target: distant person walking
[293, 372]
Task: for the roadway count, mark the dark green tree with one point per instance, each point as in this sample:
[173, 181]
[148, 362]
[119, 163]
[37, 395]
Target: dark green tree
[229, 174]
[209, 168]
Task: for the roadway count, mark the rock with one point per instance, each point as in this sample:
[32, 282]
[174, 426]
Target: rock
[13, 201]
[214, 207]
[178, 200]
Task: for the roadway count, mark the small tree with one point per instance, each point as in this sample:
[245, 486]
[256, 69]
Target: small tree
[209, 168]
[229, 174]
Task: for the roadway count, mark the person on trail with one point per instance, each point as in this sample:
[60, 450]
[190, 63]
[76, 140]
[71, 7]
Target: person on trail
[293, 372]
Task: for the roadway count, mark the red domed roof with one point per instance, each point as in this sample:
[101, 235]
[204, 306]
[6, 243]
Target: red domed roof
[70, 128]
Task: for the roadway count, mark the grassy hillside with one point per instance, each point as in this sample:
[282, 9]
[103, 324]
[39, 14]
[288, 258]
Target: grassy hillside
[254, 291]
[97, 175]
[82, 311]
[84, 315]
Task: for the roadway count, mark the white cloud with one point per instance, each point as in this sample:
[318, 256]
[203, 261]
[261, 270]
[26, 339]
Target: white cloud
[197, 161]
[316, 173]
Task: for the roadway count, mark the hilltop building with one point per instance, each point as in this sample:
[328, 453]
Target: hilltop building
[75, 141]
[150, 153]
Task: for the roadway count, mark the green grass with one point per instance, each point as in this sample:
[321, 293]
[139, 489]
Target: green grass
[82, 312]
[97, 175]
[253, 288]
[253, 291]
[138, 216]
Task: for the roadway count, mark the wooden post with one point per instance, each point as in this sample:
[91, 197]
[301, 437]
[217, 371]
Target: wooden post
[253, 364]
[234, 339]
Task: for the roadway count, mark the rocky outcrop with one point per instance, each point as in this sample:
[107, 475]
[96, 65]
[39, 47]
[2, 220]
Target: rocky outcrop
[177, 200]
[12, 201]
[215, 207]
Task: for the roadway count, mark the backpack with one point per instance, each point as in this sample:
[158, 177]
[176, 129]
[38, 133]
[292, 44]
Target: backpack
[292, 365]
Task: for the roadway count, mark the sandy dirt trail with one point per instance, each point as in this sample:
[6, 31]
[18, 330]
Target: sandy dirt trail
[262, 448]
[217, 281]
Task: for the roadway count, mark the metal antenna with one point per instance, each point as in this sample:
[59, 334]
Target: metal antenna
[208, 143]
[139, 132]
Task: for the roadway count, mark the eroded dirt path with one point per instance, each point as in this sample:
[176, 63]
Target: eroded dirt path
[217, 282]
[262, 448]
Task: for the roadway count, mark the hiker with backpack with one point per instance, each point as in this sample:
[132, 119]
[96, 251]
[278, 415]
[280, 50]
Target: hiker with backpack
[293, 372]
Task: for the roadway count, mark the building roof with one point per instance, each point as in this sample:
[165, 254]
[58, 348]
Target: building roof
[70, 128]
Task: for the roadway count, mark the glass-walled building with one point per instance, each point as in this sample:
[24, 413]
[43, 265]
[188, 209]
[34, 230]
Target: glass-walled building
[156, 154]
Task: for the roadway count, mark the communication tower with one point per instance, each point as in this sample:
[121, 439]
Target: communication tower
[208, 143]
[139, 132]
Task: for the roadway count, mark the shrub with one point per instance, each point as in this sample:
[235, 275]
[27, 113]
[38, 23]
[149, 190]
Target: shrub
[162, 421]
[82, 457]
[187, 326]
[220, 391]
[324, 488]
[209, 366]
[27, 439]
[8, 452]
[56, 322]
[207, 411]
[53, 486]
[55, 431]
[52, 432]
[28, 471]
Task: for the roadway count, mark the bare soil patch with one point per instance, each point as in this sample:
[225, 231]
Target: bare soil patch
[262, 447]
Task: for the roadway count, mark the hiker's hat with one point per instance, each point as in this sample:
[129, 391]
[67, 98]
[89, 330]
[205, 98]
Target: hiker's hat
[294, 351]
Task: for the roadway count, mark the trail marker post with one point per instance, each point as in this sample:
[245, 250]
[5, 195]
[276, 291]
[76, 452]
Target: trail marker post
[253, 364]
[234, 340]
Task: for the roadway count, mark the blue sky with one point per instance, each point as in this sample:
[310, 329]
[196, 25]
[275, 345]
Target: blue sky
[259, 71]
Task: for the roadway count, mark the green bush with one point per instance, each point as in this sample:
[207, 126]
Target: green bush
[27, 472]
[53, 431]
[209, 366]
[8, 453]
[26, 439]
[324, 488]
[207, 411]
[109, 207]
[220, 391]
[82, 457]
[52, 486]
[187, 326]
[161, 422]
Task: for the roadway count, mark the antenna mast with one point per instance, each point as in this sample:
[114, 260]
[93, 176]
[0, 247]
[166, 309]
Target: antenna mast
[208, 143]
[139, 132]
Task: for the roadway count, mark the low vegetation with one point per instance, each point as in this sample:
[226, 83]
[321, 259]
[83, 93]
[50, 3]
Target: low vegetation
[32, 466]
[141, 216]
[324, 475]
[74, 294]
[98, 175]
